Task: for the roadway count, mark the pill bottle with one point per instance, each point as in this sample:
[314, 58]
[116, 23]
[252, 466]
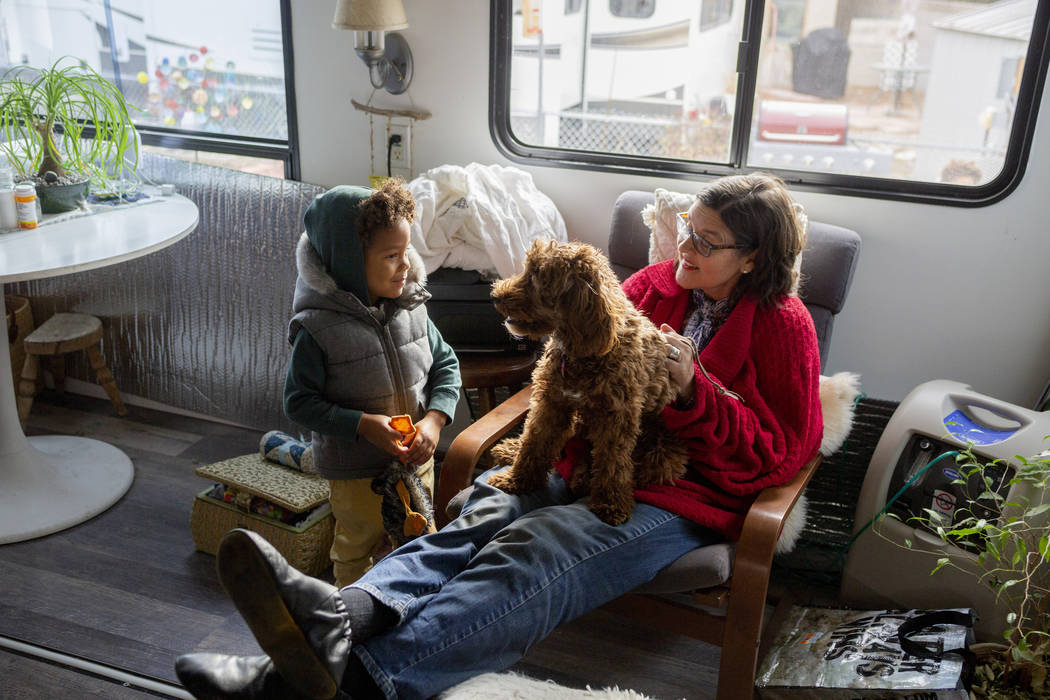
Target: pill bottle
[8, 215]
[25, 203]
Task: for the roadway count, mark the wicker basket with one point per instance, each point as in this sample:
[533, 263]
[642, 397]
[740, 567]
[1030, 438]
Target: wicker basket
[305, 547]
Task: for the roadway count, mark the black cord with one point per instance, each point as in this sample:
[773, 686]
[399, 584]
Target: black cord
[394, 138]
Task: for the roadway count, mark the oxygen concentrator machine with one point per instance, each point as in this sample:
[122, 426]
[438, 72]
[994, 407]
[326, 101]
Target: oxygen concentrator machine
[936, 417]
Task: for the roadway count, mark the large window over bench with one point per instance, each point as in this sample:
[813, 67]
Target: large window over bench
[924, 100]
[213, 79]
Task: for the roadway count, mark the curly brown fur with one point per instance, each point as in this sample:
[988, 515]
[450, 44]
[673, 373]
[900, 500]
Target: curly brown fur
[602, 374]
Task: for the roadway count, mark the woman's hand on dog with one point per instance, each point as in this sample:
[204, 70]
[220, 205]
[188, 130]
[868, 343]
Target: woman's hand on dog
[682, 370]
[377, 430]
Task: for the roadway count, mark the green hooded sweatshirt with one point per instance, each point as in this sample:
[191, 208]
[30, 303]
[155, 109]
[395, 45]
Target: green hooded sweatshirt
[352, 354]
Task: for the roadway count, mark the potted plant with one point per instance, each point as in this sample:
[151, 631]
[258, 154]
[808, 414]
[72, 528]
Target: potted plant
[44, 113]
[1009, 530]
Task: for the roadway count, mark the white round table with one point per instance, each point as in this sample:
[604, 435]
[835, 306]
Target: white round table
[49, 483]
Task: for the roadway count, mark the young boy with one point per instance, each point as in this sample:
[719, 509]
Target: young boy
[363, 350]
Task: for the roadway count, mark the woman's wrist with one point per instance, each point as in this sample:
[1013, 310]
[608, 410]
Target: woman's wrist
[687, 397]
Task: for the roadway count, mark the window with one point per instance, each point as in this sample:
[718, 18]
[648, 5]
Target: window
[839, 96]
[209, 77]
[714, 13]
[631, 8]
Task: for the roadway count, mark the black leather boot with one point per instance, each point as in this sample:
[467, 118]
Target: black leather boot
[218, 676]
[299, 621]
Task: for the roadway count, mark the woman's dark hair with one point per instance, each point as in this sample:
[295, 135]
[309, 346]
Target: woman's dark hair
[391, 202]
[760, 212]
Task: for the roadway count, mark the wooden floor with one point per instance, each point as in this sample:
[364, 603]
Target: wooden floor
[127, 589]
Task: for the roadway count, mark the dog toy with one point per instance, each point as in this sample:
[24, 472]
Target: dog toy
[406, 509]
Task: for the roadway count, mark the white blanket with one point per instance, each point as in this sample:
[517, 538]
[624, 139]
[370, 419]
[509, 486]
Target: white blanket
[480, 217]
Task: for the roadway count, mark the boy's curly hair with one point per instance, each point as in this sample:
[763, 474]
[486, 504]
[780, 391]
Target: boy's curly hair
[392, 201]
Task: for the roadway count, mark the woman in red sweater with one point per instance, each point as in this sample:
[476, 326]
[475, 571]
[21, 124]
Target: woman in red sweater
[476, 595]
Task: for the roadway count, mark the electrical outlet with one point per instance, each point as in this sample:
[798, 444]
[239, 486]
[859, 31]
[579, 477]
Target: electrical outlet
[399, 150]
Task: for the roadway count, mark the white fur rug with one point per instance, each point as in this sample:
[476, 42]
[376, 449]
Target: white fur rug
[508, 686]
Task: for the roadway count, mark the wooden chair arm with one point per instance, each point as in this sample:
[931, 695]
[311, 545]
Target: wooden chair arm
[751, 570]
[457, 469]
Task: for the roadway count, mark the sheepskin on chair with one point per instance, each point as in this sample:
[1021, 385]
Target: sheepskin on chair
[603, 375]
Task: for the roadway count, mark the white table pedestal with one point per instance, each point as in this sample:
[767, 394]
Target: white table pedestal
[51, 482]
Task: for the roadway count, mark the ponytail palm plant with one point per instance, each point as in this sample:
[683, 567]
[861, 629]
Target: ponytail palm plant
[44, 113]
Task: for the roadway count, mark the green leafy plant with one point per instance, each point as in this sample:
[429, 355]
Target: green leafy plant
[1008, 529]
[44, 113]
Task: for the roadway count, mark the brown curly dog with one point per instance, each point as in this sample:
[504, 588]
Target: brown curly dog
[602, 375]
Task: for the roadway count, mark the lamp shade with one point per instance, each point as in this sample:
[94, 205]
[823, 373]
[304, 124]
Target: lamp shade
[369, 15]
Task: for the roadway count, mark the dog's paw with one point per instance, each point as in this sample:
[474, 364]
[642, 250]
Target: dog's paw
[510, 482]
[610, 514]
[506, 451]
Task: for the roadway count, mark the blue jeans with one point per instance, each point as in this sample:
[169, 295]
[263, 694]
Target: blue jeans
[475, 596]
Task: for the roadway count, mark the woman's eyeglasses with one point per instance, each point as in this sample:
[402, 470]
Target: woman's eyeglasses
[700, 244]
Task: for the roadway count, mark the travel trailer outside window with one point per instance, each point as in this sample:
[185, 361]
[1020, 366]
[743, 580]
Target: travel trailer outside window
[628, 8]
[926, 100]
[211, 77]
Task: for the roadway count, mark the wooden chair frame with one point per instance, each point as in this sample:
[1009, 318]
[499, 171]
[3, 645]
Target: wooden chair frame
[742, 598]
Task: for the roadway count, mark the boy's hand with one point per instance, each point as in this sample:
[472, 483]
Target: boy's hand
[428, 429]
[377, 430]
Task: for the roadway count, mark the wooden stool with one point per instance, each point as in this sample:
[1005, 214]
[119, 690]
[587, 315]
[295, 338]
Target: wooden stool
[64, 333]
[486, 371]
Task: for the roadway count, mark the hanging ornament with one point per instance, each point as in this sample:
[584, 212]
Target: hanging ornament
[159, 73]
[204, 49]
[142, 77]
[182, 62]
[231, 110]
[246, 102]
[210, 64]
[193, 58]
[215, 112]
[200, 96]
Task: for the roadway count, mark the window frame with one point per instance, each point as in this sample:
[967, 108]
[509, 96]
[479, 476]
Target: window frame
[235, 144]
[1014, 163]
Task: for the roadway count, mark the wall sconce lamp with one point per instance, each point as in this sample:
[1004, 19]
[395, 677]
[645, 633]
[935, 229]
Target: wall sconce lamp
[387, 56]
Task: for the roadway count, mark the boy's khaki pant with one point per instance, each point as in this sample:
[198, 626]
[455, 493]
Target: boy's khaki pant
[359, 523]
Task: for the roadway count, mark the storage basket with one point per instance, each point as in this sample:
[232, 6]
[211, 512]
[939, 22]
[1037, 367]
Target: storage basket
[306, 546]
[19, 318]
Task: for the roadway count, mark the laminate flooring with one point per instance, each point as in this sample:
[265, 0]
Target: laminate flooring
[127, 590]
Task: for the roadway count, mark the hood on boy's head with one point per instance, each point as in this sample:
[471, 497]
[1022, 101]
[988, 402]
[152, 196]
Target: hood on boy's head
[331, 225]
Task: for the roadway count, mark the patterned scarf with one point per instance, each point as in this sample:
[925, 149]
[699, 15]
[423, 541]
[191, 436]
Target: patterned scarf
[707, 317]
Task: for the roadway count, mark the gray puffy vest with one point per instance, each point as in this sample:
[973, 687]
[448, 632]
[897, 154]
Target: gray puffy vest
[378, 360]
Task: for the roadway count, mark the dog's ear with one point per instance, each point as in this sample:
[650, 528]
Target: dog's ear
[595, 305]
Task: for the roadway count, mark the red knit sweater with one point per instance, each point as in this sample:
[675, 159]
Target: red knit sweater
[766, 354]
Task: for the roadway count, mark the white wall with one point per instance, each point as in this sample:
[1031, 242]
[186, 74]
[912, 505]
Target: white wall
[940, 292]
